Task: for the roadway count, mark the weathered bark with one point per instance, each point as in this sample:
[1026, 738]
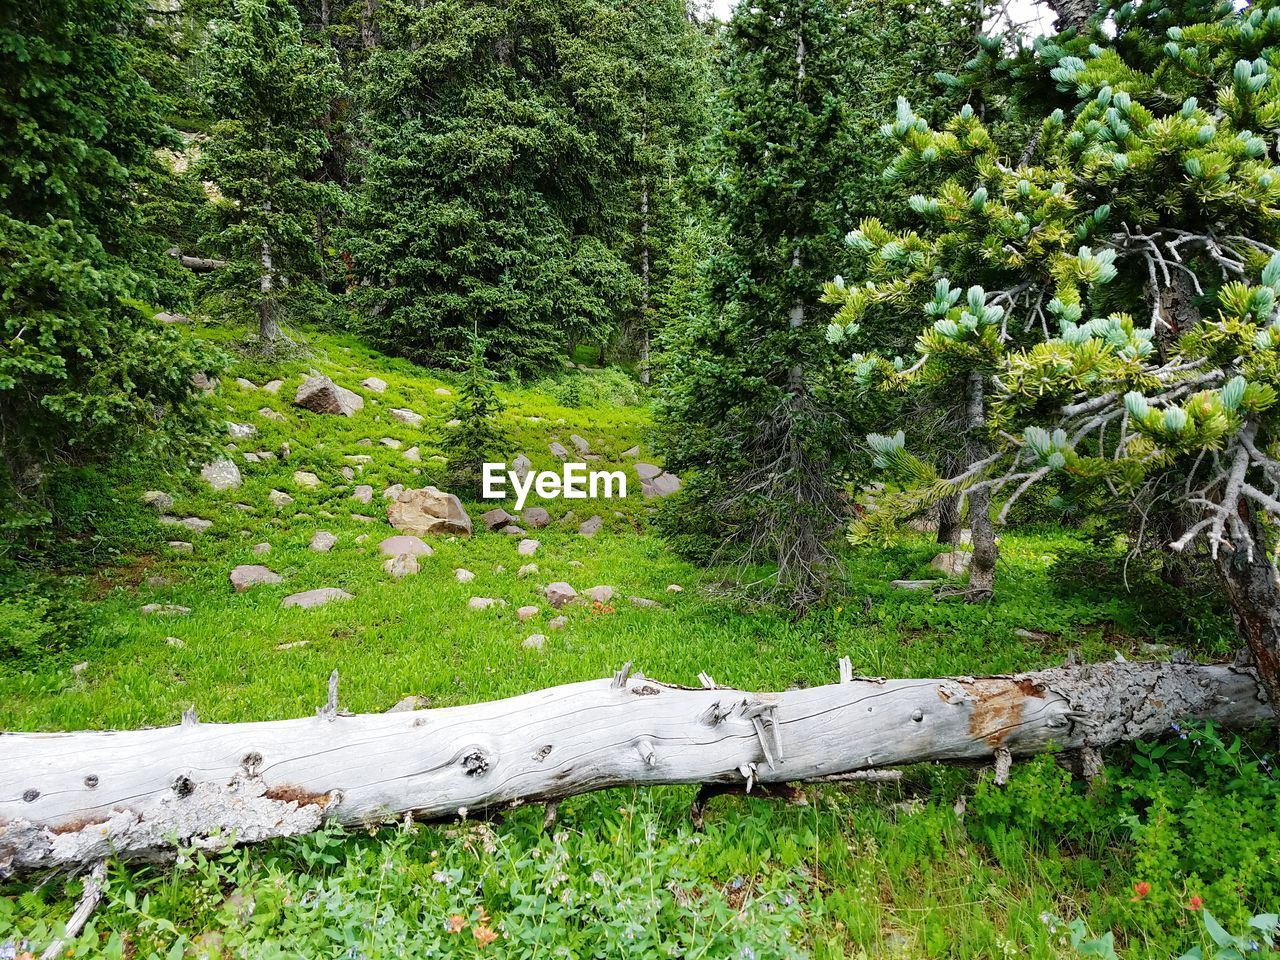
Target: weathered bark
[949, 527]
[370, 32]
[644, 283]
[71, 799]
[198, 264]
[1073, 14]
[268, 324]
[1254, 596]
[982, 570]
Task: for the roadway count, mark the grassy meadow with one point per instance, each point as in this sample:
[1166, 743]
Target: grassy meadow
[938, 864]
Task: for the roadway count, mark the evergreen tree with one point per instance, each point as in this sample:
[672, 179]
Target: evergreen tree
[492, 192]
[1122, 283]
[271, 93]
[85, 370]
[477, 438]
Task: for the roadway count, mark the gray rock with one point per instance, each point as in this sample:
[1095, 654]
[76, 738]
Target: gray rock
[393, 491]
[403, 565]
[241, 431]
[319, 394]
[158, 500]
[463, 576]
[484, 603]
[409, 704]
[166, 317]
[401, 545]
[527, 548]
[953, 563]
[527, 570]
[221, 474]
[674, 588]
[363, 493]
[279, 498]
[413, 455]
[580, 444]
[557, 623]
[195, 524]
[273, 386]
[429, 511]
[496, 518]
[202, 382]
[558, 451]
[633, 452]
[251, 575]
[560, 593]
[527, 613]
[663, 485]
[521, 466]
[180, 546]
[269, 414]
[405, 415]
[914, 584]
[643, 602]
[261, 549]
[322, 541]
[442, 392]
[315, 598]
[534, 642]
[376, 384]
[305, 478]
[455, 422]
[511, 530]
[592, 526]
[535, 517]
[391, 442]
[164, 609]
[599, 594]
[647, 471]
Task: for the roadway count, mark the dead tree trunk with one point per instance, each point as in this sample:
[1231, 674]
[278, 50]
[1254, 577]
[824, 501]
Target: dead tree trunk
[71, 799]
[982, 570]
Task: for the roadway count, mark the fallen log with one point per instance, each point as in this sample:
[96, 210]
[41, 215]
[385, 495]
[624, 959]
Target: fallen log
[198, 264]
[68, 800]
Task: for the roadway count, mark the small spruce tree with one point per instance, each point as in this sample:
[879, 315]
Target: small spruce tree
[477, 438]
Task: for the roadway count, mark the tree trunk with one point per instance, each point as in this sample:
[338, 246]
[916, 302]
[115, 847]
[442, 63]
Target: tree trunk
[644, 283]
[70, 799]
[370, 33]
[949, 526]
[1073, 14]
[1254, 596]
[268, 323]
[982, 570]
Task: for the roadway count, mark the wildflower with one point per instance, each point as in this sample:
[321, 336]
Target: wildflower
[484, 936]
[736, 883]
[1195, 903]
[455, 923]
[747, 954]
[1141, 888]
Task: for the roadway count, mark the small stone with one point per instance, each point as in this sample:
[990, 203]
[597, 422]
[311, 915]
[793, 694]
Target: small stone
[407, 416]
[580, 444]
[251, 458]
[202, 382]
[294, 645]
[403, 544]
[244, 384]
[534, 642]
[527, 569]
[241, 431]
[261, 549]
[305, 478]
[279, 498]
[600, 595]
[560, 593]
[195, 524]
[496, 518]
[221, 474]
[391, 442]
[913, 584]
[558, 451]
[319, 394]
[360, 459]
[174, 642]
[953, 563]
[402, 566]
[527, 613]
[362, 518]
[158, 500]
[268, 414]
[463, 576]
[633, 452]
[527, 548]
[376, 384]
[180, 546]
[455, 422]
[521, 467]
[167, 317]
[575, 563]
[165, 609]
[647, 471]
[484, 603]
[536, 518]
[411, 703]
[442, 392]
[252, 575]
[643, 602]
[511, 530]
[393, 491]
[1038, 637]
[322, 541]
[315, 598]
[413, 455]
[557, 623]
[244, 508]
[363, 493]
[674, 588]
[591, 527]
[663, 485]
[265, 455]
[273, 386]
[79, 668]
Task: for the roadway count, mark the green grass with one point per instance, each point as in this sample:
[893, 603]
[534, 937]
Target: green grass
[864, 871]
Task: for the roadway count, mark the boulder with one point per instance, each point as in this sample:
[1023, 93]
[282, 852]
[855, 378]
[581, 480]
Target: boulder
[273, 386]
[319, 394]
[401, 545]
[393, 491]
[261, 549]
[527, 548]
[580, 444]
[534, 642]
[252, 575]
[429, 511]
[647, 471]
[599, 594]
[663, 485]
[535, 518]
[279, 498]
[527, 613]
[521, 466]
[376, 384]
[322, 541]
[315, 598]
[158, 500]
[221, 474]
[463, 576]
[558, 451]
[305, 478]
[403, 565]
[363, 493]
[560, 593]
[413, 455]
[407, 416]
[954, 563]
[496, 518]
[591, 527]
[241, 431]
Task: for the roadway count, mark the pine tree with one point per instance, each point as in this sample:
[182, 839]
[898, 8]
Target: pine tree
[85, 370]
[270, 92]
[477, 438]
[491, 192]
[1116, 283]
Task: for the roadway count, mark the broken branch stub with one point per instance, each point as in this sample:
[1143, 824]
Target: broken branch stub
[71, 799]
